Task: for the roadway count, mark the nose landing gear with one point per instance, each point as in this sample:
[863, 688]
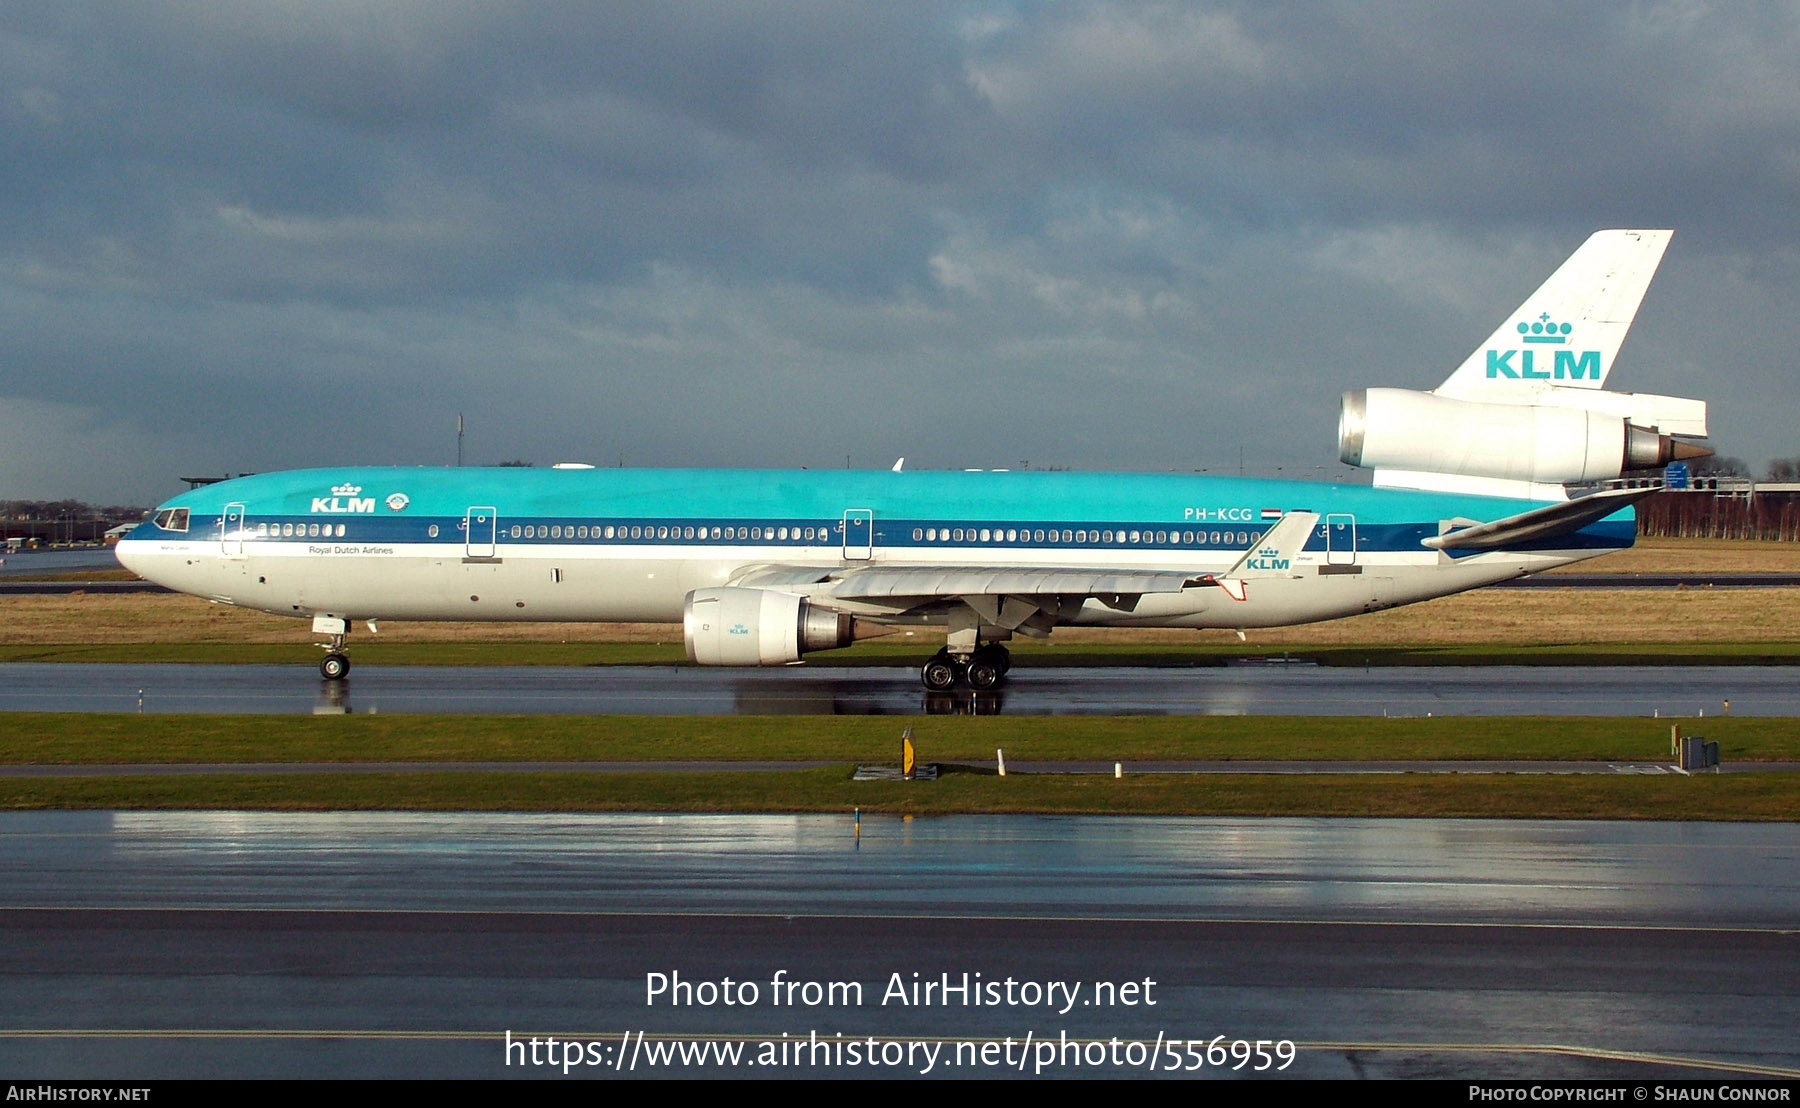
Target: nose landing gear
[335, 666]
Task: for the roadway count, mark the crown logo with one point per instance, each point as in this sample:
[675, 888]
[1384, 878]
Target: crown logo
[345, 490]
[1544, 330]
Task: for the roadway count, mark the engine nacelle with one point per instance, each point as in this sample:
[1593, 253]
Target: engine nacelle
[1419, 431]
[758, 627]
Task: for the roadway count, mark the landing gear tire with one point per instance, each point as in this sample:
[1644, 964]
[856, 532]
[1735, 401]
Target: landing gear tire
[334, 667]
[984, 674]
[939, 674]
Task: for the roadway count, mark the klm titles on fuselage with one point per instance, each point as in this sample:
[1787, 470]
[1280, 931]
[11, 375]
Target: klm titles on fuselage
[348, 500]
[343, 505]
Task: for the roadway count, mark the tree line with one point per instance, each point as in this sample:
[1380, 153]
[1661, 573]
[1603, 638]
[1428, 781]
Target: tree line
[49, 510]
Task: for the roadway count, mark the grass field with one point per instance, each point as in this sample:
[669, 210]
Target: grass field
[1737, 797]
[966, 744]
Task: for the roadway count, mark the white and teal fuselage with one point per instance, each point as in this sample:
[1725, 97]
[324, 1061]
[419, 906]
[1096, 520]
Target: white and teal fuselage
[630, 544]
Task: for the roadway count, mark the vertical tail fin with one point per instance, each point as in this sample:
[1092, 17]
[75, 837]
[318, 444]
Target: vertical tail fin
[1568, 332]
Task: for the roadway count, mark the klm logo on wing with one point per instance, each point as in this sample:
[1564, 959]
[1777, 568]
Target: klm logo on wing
[344, 500]
[1565, 365]
[1268, 557]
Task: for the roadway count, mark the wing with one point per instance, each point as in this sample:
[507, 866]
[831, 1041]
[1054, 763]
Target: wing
[1017, 598]
[1027, 600]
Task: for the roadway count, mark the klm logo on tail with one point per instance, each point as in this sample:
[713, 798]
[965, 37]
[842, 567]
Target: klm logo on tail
[1567, 365]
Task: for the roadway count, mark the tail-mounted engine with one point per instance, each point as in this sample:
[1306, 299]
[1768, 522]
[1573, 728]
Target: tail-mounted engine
[1398, 429]
[758, 627]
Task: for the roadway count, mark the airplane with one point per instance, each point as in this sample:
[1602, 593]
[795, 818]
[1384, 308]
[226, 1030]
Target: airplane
[1488, 477]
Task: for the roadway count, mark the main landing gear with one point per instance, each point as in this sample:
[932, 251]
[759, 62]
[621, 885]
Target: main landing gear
[982, 670]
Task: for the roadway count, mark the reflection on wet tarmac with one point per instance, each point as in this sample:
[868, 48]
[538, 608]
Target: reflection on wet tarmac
[1674, 691]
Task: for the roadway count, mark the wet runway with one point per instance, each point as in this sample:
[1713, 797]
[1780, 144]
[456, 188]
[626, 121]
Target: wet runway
[30, 562]
[244, 944]
[1274, 689]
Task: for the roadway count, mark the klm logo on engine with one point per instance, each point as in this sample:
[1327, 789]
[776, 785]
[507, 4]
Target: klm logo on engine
[1565, 365]
[344, 500]
[738, 629]
[1268, 558]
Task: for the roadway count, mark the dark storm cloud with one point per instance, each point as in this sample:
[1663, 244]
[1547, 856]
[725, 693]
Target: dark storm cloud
[1120, 235]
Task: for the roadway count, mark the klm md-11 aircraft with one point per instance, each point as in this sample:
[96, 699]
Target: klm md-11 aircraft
[1471, 486]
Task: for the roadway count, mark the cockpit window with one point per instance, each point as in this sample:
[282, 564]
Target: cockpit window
[172, 519]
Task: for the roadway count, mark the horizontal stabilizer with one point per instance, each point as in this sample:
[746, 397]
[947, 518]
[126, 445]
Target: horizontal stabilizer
[1552, 521]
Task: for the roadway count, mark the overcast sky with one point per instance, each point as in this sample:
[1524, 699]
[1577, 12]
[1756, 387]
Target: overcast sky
[251, 235]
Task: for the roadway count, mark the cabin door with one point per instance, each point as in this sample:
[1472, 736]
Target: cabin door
[231, 536]
[1340, 539]
[859, 534]
[478, 527]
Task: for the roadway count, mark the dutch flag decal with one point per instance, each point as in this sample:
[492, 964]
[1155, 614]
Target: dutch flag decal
[1271, 513]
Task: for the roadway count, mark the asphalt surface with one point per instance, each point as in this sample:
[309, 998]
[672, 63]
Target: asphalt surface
[144, 945]
[1266, 689]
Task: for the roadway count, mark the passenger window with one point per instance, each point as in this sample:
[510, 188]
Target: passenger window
[432, 531]
[340, 530]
